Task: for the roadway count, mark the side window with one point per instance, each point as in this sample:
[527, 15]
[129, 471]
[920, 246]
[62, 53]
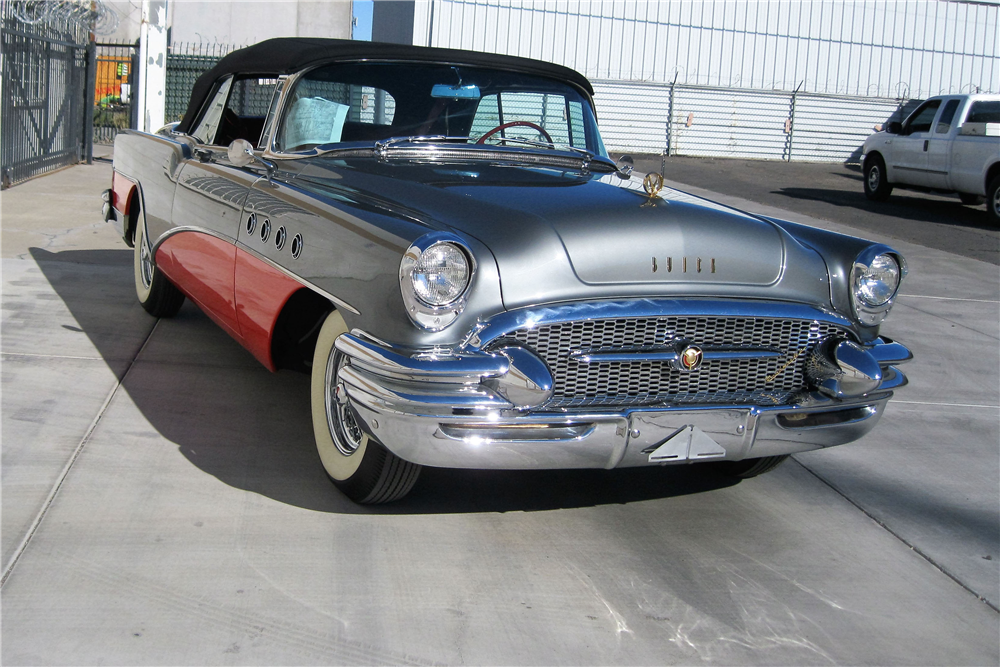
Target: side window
[921, 119]
[324, 112]
[561, 120]
[246, 109]
[207, 128]
[947, 115]
[984, 112]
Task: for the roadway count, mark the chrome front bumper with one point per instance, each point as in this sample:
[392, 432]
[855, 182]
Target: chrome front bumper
[459, 410]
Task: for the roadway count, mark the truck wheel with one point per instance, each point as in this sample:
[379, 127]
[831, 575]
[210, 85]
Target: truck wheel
[156, 294]
[993, 200]
[748, 468]
[877, 186]
[969, 199]
[364, 470]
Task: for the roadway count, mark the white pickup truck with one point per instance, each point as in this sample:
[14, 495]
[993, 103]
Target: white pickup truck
[950, 143]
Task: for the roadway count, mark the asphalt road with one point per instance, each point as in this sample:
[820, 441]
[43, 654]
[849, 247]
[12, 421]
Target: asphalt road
[162, 503]
[835, 192]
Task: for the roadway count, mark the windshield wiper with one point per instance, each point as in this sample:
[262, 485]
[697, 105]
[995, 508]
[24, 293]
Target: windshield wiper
[382, 148]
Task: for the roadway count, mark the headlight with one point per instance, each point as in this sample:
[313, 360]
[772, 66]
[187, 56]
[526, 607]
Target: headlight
[874, 283]
[434, 278]
[440, 275]
[877, 283]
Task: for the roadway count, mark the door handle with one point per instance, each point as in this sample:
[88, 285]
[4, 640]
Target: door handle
[926, 141]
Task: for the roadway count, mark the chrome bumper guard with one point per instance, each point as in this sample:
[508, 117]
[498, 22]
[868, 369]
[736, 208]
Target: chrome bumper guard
[478, 409]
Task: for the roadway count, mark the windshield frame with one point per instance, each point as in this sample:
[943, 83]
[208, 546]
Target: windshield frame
[272, 150]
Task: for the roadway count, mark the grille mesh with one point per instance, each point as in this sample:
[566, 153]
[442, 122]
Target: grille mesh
[743, 381]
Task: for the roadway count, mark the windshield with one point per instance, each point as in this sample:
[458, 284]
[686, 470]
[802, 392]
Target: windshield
[369, 102]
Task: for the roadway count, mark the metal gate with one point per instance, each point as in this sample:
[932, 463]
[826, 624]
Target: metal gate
[114, 90]
[43, 96]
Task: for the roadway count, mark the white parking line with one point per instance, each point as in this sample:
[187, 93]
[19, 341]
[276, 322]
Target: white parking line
[949, 405]
[947, 298]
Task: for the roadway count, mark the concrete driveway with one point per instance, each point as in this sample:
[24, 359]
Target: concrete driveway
[162, 503]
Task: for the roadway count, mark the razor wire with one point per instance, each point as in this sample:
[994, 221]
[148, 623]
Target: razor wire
[91, 15]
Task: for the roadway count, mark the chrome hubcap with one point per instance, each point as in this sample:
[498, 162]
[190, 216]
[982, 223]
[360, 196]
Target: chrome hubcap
[996, 203]
[145, 264]
[873, 178]
[347, 434]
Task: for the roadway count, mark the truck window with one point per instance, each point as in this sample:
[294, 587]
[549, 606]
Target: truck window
[947, 115]
[921, 119]
[984, 112]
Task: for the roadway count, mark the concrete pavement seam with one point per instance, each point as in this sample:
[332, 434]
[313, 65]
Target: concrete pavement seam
[36, 523]
[899, 537]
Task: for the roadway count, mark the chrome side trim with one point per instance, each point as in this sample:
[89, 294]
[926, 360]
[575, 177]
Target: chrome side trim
[189, 228]
[340, 303]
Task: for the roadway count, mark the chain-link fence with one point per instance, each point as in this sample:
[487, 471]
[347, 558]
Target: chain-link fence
[678, 119]
[185, 63]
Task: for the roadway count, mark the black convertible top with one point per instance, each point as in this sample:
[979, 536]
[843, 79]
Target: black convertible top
[284, 55]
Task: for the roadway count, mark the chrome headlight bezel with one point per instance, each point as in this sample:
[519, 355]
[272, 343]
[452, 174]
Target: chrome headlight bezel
[426, 315]
[866, 313]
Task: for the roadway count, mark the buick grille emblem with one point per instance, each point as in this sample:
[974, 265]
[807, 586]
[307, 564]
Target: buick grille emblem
[691, 358]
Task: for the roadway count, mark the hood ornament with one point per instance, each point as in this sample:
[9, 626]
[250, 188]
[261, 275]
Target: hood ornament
[652, 184]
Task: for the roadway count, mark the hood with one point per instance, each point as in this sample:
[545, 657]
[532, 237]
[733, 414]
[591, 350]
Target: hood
[558, 235]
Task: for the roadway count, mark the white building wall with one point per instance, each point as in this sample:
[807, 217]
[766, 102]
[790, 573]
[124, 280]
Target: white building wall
[239, 22]
[847, 47]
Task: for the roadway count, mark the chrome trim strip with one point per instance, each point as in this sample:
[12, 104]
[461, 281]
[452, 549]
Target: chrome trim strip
[189, 228]
[887, 351]
[444, 367]
[407, 399]
[669, 354]
[490, 432]
[340, 303]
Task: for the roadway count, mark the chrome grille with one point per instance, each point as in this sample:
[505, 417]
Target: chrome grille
[743, 381]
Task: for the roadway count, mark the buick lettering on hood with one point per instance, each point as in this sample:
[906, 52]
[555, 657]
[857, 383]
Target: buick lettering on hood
[440, 240]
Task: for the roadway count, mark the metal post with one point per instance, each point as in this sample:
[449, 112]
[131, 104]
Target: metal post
[88, 105]
[791, 121]
[135, 81]
[670, 122]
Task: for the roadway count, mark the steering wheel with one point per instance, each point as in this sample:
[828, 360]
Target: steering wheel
[516, 123]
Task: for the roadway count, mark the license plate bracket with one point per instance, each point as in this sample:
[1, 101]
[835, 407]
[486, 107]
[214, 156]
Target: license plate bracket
[695, 435]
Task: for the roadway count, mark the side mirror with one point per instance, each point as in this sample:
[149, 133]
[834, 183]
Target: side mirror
[241, 152]
[894, 127]
[625, 165]
[241, 155]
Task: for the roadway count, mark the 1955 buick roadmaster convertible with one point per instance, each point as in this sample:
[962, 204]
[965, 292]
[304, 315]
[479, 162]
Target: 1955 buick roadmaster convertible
[440, 239]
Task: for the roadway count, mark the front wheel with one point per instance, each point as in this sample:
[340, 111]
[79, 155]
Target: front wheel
[157, 295]
[748, 468]
[877, 186]
[993, 200]
[363, 469]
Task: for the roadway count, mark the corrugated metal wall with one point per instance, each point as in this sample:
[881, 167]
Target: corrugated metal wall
[729, 122]
[784, 79]
[889, 48]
